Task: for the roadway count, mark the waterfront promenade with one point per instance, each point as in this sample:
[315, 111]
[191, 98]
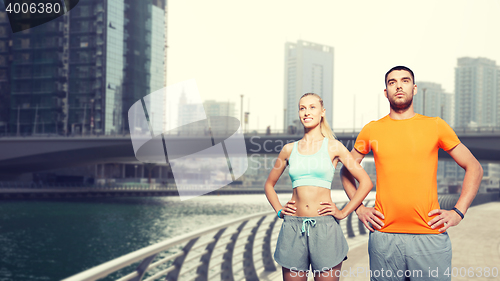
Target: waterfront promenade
[475, 242]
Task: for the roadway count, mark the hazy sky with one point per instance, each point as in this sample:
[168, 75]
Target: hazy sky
[237, 47]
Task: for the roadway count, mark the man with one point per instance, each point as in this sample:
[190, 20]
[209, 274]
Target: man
[410, 240]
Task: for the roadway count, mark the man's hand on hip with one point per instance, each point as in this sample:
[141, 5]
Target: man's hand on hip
[446, 218]
[368, 215]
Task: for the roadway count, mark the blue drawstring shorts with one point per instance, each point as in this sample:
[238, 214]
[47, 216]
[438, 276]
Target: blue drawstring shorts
[316, 241]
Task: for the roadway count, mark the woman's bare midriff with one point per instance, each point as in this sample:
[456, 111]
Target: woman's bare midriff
[307, 200]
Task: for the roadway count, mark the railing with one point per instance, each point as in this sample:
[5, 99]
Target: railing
[247, 132]
[234, 250]
[448, 201]
[119, 186]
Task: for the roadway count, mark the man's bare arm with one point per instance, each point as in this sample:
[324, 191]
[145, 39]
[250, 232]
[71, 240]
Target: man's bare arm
[470, 186]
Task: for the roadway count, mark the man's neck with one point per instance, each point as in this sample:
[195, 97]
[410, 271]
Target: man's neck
[402, 114]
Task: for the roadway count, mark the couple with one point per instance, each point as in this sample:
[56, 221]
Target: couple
[408, 238]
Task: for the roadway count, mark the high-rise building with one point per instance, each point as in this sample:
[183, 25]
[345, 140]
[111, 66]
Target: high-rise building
[450, 173]
[81, 72]
[308, 69]
[166, 46]
[190, 112]
[32, 65]
[477, 93]
[215, 108]
[437, 102]
[5, 73]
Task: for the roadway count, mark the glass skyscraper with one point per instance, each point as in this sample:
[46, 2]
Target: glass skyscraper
[5, 72]
[80, 73]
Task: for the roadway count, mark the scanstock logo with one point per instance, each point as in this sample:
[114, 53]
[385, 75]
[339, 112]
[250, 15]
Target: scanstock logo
[170, 127]
[26, 14]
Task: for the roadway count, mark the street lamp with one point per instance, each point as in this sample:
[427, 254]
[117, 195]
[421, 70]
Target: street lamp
[135, 166]
[246, 121]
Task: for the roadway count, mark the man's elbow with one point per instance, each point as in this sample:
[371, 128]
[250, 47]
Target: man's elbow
[475, 168]
[480, 170]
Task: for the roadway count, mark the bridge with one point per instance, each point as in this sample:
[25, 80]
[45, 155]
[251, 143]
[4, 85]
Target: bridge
[39, 153]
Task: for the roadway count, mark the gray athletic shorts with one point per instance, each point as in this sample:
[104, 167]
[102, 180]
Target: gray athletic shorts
[400, 256]
[316, 241]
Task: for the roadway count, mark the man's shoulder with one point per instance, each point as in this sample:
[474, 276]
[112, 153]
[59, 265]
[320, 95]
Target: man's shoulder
[376, 123]
[437, 121]
[381, 120]
[427, 118]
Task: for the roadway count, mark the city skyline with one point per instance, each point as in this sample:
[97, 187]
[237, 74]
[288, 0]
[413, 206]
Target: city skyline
[245, 56]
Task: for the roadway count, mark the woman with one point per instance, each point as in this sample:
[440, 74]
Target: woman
[310, 233]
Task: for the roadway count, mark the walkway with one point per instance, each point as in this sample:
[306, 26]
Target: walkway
[475, 242]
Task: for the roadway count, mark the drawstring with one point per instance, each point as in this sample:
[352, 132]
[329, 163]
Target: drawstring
[304, 222]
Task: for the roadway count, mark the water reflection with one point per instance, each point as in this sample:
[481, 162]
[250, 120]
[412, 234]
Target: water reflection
[50, 240]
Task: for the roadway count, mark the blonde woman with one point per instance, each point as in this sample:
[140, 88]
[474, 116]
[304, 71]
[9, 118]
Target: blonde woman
[310, 234]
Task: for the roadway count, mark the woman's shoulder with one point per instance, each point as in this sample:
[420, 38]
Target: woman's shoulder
[335, 145]
[288, 147]
[334, 142]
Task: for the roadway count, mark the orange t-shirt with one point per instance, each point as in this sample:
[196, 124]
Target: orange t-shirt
[406, 160]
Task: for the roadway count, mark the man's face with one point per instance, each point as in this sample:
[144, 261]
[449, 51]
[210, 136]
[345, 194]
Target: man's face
[400, 89]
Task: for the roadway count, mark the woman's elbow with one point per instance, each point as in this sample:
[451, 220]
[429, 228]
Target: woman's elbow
[367, 182]
[268, 185]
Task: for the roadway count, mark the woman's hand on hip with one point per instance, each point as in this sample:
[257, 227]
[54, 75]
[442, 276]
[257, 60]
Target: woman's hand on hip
[289, 208]
[330, 209]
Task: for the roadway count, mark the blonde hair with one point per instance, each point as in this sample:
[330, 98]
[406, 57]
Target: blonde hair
[325, 128]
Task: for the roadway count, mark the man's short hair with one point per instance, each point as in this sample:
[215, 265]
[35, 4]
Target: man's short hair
[400, 67]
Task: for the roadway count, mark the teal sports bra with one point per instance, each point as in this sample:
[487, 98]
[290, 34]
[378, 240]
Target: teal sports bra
[315, 169]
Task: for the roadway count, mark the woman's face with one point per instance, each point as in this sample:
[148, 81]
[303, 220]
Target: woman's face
[310, 111]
